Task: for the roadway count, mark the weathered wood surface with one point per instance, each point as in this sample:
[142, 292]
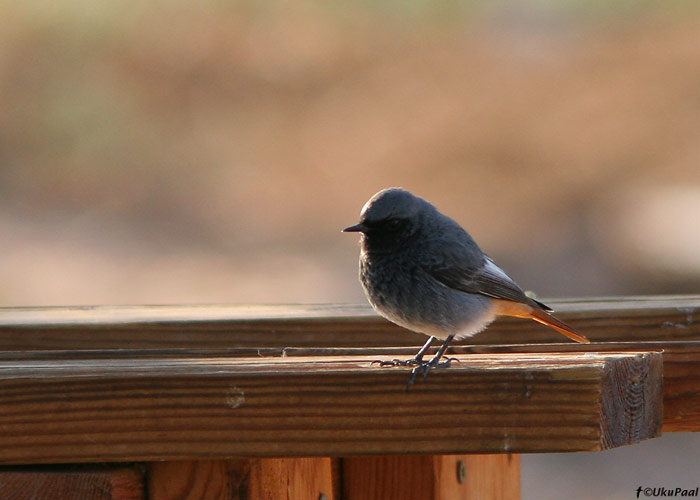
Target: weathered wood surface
[242, 479]
[681, 367]
[142, 409]
[142, 327]
[396, 477]
[198, 480]
[428, 477]
[68, 483]
[291, 478]
[681, 364]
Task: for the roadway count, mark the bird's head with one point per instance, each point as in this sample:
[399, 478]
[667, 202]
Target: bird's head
[390, 218]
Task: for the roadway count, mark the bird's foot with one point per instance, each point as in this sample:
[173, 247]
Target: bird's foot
[425, 366]
[399, 362]
[421, 367]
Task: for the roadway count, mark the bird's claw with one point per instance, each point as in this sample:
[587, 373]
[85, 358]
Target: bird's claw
[425, 367]
[420, 367]
[399, 362]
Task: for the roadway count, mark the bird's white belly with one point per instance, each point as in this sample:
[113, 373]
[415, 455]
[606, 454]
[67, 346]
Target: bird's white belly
[467, 328]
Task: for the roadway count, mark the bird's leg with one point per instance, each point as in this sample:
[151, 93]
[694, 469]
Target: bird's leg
[435, 362]
[417, 360]
[423, 368]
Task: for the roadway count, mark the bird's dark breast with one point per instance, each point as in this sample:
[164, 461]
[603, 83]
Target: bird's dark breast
[399, 289]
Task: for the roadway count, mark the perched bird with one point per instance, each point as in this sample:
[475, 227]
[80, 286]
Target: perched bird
[422, 271]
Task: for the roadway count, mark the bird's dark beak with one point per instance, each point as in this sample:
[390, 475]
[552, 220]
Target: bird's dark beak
[357, 228]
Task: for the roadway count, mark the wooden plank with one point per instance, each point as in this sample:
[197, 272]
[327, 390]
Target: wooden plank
[681, 364]
[61, 483]
[261, 479]
[681, 367]
[291, 478]
[394, 477]
[432, 477]
[198, 480]
[149, 327]
[492, 476]
[185, 408]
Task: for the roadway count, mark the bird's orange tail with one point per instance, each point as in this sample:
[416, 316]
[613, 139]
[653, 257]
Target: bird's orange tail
[552, 322]
[520, 310]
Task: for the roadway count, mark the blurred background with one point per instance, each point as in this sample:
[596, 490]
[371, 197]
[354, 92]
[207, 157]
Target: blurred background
[177, 151]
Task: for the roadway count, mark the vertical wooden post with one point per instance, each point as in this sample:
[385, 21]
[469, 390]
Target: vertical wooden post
[494, 477]
[291, 478]
[260, 479]
[197, 479]
[60, 483]
[438, 477]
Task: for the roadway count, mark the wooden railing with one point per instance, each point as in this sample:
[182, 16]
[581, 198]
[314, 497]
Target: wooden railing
[220, 402]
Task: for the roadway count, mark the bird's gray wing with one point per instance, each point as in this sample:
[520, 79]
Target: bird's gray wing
[457, 265]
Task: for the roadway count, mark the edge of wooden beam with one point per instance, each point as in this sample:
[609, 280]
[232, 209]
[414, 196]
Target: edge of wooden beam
[323, 325]
[145, 409]
[631, 384]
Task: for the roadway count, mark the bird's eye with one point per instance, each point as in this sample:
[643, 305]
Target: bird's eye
[393, 223]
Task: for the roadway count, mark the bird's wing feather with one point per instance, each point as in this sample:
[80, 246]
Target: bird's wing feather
[492, 281]
[459, 266]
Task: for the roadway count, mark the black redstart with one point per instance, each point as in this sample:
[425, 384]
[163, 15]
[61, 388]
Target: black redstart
[422, 271]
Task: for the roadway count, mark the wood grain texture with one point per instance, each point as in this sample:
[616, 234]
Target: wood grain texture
[243, 479]
[682, 388]
[142, 409]
[395, 477]
[431, 477]
[625, 389]
[198, 480]
[62, 483]
[681, 368]
[151, 327]
[492, 476]
[291, 479]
